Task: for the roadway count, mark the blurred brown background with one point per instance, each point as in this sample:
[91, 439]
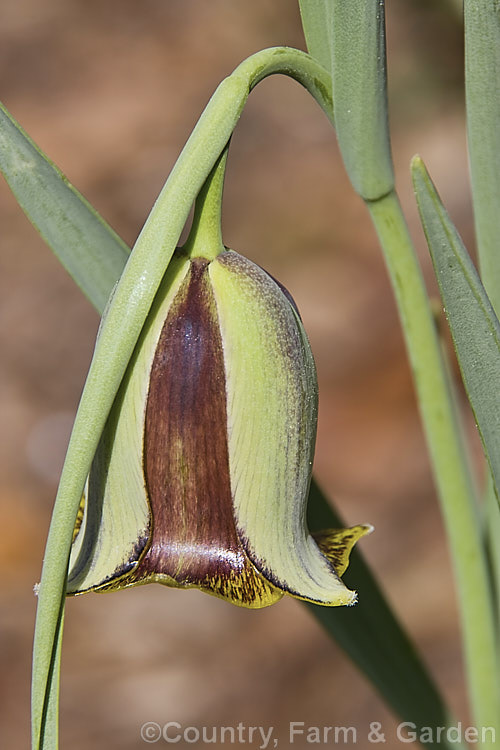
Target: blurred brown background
[110, 90]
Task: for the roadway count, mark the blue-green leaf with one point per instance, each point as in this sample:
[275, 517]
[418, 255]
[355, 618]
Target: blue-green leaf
[316, 22]
[473, 323]
[87, 247]
[482, 88]
[359, 85]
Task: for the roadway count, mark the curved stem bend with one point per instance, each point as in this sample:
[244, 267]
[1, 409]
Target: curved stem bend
[120, 329]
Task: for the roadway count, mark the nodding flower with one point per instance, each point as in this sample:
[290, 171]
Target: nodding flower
[202, 474]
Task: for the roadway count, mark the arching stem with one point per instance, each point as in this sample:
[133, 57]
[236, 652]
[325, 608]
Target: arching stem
[120, 329]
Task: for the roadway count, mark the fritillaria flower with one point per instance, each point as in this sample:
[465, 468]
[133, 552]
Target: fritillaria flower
[202, 474]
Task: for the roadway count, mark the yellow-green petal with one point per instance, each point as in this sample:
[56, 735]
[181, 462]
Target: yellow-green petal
[272, 413]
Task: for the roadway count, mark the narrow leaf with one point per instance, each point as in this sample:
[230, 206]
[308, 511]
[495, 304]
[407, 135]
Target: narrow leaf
[373, 638]
[473, 323]
[482, 88]
[359, 85]
[316, 22]
[449, 460]
[87, 247]
[476, 336]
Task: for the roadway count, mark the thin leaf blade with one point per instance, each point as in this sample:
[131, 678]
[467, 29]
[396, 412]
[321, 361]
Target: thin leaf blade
[373, 638]
[88, 248]
[316, 22]
[474, 326]
[359, 86]
[482, 90]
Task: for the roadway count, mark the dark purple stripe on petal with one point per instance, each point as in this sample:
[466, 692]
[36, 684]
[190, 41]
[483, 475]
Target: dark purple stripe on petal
[194, 539]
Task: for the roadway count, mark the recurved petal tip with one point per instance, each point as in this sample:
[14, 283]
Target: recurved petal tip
[337, 544]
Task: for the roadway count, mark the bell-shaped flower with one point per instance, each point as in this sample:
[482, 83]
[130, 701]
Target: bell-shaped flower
[202, 474]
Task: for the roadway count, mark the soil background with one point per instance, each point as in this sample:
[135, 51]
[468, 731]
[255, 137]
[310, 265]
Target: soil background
[110, 91]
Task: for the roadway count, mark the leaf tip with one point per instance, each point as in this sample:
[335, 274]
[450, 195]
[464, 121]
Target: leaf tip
[416, 162]
[417, 167]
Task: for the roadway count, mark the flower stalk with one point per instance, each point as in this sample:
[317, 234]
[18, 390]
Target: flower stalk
[205, 236]
[120, 329]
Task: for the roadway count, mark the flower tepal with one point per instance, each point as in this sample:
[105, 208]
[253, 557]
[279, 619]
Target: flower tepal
[202, 473]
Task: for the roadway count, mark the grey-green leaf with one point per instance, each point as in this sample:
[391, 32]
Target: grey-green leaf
[316, 22]
[472, 320]
[359, 85]
[482, 88]
[87, 247]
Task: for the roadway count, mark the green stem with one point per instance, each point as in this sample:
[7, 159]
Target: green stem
[205, 236]
[448, 458]
[492, 535]
[120, 329]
